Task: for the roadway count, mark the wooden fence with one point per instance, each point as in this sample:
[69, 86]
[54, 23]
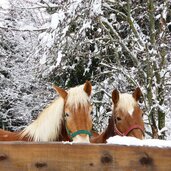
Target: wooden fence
[24, 156]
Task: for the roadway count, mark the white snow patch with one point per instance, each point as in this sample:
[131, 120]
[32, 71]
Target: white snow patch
[59, 57]
[132, 141]
[73, 7]
[57, 18]
[65, 31]
[43, 59]
[46, 39]
[162, 130]
[67, 142]
[113, 17]
[96, 7]
[28, 27]
[86, 24]
[4, 4]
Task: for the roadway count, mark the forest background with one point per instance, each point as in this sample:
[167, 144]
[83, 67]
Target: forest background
[113, 43]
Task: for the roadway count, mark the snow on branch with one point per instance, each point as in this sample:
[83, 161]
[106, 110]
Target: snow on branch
[122, 70]
[104, 22]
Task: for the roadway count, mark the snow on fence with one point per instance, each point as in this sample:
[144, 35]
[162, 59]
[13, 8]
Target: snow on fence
[53, 156]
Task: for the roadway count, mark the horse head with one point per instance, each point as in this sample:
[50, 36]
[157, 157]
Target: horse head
[77, 109]
[127, 115]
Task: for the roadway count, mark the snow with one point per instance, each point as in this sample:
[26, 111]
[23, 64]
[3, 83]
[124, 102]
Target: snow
[86, 24]
[162, 131]
[43, 59]
[4, 4]
[57, 18]
[65, 31]
[28, 27]
[59, 57]
[67, 142]
[96, 7]
[74, 6]
[131, 141]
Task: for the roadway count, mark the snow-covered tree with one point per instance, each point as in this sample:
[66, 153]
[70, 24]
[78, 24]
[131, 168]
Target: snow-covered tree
[22, 95]
[119, 44]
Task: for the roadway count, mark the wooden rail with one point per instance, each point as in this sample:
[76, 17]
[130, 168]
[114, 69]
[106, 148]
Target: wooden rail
[24, 156]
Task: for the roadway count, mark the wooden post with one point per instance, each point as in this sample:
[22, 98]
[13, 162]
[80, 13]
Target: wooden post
[24, 156]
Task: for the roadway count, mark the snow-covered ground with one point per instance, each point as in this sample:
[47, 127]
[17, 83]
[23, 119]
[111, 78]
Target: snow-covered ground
[131, 141]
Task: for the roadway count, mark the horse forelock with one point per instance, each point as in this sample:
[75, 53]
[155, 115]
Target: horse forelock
[47, 126]
[77, 97]
[126, 103]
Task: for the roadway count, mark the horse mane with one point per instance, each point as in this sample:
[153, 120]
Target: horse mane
[126, 103]
[47, 127]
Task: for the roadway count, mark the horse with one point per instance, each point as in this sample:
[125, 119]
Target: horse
[126, 119]
[66, 119]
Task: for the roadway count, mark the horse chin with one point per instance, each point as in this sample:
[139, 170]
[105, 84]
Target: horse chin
[138, 135]
[141, 136]
[81, 139]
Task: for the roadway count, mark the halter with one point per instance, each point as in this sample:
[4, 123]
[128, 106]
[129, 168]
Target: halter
[74, 134]
[128, 130]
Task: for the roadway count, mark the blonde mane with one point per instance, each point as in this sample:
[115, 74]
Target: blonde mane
[47, 126]
[126, 103]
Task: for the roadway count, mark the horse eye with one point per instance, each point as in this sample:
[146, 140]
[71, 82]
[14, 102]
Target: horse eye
[118, 118]
[66, 115]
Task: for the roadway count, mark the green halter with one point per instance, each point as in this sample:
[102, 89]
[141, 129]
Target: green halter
[72, 135]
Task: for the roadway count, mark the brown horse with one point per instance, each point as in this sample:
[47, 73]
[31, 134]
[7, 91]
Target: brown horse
[126, 119]
[67, 118]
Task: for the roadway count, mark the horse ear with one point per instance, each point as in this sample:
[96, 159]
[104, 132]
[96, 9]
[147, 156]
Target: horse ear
[115, 96]
[137, 94]
[61, 91]
[88, 87]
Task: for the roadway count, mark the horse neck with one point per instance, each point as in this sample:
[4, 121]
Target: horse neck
[47, 126]
[109, 132]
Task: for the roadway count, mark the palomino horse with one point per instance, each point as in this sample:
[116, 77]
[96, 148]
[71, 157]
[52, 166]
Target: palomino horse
[126, 119]
[67, 118]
